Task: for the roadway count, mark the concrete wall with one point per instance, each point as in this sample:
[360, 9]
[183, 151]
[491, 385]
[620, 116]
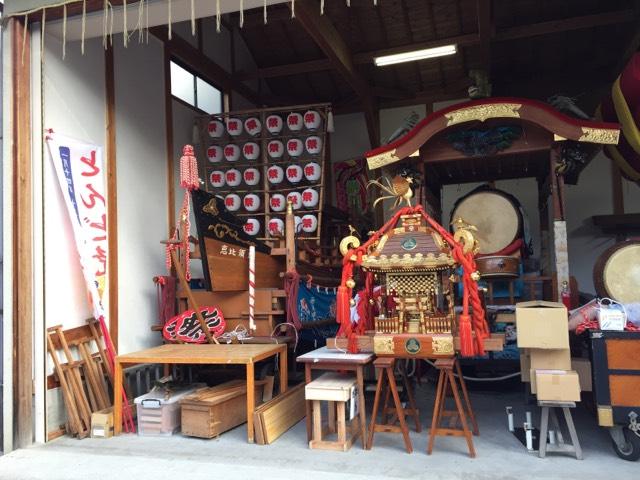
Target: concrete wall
[592, 196]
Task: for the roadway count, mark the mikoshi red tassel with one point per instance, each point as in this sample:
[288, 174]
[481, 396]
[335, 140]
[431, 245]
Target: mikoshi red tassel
[466, 336]
[343, 309]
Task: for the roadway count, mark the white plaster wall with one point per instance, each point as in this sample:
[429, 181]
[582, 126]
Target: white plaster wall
[73, 105]
[142, 188]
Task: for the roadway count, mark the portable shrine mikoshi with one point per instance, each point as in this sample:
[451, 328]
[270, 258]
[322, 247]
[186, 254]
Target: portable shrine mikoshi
[417, 259]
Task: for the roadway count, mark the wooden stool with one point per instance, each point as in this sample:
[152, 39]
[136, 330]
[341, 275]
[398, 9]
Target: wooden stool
[336, 390]
[447, 380]
[558, 446]
[384, 367]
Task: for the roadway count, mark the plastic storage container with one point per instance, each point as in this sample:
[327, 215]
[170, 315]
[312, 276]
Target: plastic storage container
[159, 412]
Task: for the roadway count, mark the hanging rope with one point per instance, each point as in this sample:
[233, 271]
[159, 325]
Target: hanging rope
[218, 16]
[193, 18]
[241, 13]
[293, 8]
[321, 7]
[190, 181]
[169, 18]
[264, 11]
[125, 33]
[64, 31]
[44, 22]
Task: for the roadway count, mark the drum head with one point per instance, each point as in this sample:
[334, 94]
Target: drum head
[617, 272]
[495, 217]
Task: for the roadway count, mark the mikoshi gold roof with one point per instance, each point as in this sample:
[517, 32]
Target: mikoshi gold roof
[410, 247]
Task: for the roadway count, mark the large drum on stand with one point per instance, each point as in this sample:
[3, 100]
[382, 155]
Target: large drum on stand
[616, 273]
[499, 220]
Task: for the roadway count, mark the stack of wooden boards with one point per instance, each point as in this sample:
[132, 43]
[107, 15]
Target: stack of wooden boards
[275, 417]
[545, 359]
[208, 412]
[84, 373]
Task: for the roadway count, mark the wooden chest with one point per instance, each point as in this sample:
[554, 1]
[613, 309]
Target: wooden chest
[208, 412]
[408, 345]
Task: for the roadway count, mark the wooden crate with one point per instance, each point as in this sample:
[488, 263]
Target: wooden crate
[208, 412]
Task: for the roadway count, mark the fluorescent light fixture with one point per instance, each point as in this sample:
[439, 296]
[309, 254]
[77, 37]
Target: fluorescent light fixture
[415, 55]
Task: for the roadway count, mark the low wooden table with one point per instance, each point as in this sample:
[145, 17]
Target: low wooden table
[234, 354]
[326, 359]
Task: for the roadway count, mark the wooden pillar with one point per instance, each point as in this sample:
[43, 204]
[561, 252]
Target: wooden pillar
[112, 195]
[560, 246]
[22, 219]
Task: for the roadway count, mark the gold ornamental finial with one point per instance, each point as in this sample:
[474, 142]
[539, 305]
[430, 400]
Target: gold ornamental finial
[289, 207]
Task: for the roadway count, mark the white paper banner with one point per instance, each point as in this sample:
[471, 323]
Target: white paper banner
[80, 171]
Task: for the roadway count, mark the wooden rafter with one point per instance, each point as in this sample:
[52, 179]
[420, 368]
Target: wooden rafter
[189, 54]
[320, 28]
[485, 34]
[511, 33]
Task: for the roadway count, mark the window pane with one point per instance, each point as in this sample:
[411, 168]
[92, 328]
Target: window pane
[209, 97]
[182, 84]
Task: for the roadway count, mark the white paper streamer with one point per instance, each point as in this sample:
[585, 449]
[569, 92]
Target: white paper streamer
[218, 17]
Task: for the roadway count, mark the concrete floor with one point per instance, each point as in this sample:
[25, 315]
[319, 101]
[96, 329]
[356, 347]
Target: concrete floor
[500, 455]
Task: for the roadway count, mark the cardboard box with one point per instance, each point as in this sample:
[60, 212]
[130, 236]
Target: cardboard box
[583, 367]
[525, 365]
[542, 324]
[102, 423]
[549, 359]
[557, 385]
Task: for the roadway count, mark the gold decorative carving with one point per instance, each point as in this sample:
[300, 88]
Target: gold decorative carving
[442, 345]
[382, 159]
[211, 207]
[221, 231]
[600, 135]
[383, 345]
[483, 112]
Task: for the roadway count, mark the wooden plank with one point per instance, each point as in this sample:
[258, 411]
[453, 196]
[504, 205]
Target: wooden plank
[22, 218]
[280, 414]
[624, 390]
[623, 354]
[112, 196]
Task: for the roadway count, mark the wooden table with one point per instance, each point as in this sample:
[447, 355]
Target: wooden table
[326, 359]
[234, 354]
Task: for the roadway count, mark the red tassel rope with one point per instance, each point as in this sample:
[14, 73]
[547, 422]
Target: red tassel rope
[189, 180]
[477, 324]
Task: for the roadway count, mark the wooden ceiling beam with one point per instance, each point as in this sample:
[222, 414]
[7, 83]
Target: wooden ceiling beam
[485, 32]
[566, 25]
[512, 33]
[328, 39]
[210, 70]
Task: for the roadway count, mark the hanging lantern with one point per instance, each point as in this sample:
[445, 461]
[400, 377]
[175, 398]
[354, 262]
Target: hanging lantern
[296, 200]
[294, 173]
[294, 122]
[214, 153]
[233, 177]
[251, 150]
[312, 120]
[215, 128]
[251, 202]
[297, 223]
[309, 223]
[252, 126]
[232, 202]
[252, 227]
[274, 124]
[217, 178]
[275, 149]
[313, 145]
[294, 147]
[234, 127]
[276, 227]
[310, 198]
[277, 202]
[312, 171]
[232, 152]
[251, 176]
[275, 174]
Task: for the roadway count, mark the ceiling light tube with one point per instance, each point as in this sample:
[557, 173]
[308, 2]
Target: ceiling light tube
[415, 55]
